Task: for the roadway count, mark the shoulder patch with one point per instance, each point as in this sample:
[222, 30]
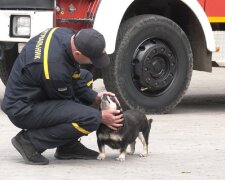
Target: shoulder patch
[62, 89]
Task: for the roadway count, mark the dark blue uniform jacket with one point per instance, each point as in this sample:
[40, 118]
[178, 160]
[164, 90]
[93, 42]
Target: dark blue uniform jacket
[45, 70]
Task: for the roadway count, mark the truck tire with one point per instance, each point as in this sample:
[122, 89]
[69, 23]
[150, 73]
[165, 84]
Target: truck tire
[7, 62]
[152, 65]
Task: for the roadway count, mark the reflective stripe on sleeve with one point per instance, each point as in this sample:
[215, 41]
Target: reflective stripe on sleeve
[90, 83]
[76, 75]
[82, 130]
[46, 49]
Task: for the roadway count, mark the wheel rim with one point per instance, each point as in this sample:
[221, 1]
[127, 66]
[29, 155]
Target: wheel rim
[154, 67]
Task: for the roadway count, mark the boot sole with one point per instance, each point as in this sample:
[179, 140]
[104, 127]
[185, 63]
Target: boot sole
[67, 157]
[19, 148]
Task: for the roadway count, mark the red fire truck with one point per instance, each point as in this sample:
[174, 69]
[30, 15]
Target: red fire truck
[154, 45]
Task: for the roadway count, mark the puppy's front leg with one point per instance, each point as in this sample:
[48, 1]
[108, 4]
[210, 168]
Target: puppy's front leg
[122, 153]
[132, 148]
[101, 148]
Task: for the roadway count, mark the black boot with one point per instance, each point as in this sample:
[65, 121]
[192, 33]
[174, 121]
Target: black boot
[27, 150]
[75, 150]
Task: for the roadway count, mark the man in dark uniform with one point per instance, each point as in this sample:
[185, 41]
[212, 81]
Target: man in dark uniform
[48, 95]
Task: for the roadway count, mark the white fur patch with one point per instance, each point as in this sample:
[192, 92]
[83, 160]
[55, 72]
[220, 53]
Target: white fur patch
[103, 136]
[107, 104]
[115, 137]
[112, 136]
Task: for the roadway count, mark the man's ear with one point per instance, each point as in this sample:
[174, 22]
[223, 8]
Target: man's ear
[78, 53]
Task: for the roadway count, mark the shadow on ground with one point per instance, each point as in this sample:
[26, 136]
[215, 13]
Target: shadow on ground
[201, 104]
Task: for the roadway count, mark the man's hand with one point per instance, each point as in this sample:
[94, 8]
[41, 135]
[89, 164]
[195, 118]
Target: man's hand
[112, 118]
[98, 98]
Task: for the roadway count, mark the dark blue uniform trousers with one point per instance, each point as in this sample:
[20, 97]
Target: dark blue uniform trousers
[56, 122]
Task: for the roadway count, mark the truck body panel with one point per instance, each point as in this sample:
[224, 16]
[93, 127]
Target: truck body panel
[112, 23]
[27, 4]
[45, 17]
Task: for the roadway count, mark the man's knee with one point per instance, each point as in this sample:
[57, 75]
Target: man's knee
[94, 120]
[89, 121]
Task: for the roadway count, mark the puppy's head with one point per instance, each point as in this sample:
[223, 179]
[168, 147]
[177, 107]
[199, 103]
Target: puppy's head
[107, 102]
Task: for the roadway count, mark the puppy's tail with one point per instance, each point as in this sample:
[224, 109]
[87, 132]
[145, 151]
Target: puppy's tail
[149, 122]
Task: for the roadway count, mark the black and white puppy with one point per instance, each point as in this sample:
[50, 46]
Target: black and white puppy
[135, 125]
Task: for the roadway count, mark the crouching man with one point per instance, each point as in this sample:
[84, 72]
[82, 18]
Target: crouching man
[48, 96]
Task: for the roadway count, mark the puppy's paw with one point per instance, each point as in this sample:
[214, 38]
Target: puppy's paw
[101, 156]
[143, 154]
[120, 159]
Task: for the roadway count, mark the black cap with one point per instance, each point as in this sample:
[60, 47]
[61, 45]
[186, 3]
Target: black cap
[91, 43]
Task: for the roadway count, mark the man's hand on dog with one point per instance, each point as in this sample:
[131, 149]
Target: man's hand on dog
[112, 118]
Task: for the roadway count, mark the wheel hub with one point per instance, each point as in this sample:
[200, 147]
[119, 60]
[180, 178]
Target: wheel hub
[154, 65]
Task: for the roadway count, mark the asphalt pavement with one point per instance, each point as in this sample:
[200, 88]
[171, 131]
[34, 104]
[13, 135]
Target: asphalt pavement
[188, 143]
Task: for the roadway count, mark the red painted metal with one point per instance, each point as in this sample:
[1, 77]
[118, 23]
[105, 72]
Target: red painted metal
[82, 16]
[215, 8]
[82, 13]
[202, 2]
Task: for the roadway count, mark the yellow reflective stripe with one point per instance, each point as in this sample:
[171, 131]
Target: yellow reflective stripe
[80, 128]
[46, 49]
[76, 75]
[89, 83]
[213, 19]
